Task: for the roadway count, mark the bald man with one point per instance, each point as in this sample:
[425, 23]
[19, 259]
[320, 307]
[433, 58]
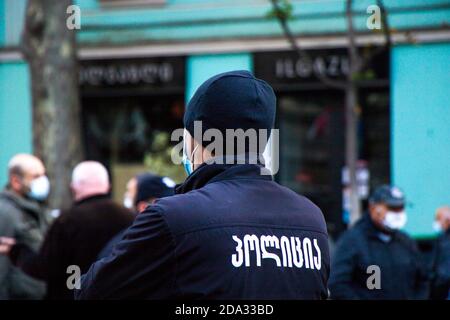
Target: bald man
[440, 289]
[76, 236]
[23, 217]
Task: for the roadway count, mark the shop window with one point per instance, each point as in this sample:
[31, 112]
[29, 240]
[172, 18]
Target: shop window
[312, 147]
[130, 108]
[311, 120]
[132, 135]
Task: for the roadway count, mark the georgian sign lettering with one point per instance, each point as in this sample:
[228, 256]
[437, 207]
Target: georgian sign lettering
[157, 72]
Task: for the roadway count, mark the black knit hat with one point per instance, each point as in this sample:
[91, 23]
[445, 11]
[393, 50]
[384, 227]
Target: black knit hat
[152, 186]
[389, 195]
[232, 100]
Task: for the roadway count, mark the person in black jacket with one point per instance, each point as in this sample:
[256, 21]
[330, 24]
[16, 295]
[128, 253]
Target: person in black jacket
[440, 289]
[142, 190]
[230, 232]
[374, 260]
[77, 235]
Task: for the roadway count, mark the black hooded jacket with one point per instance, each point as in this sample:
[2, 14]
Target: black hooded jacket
[228, 233]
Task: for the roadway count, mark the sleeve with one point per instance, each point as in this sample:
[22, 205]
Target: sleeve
[6, 230]
[141, 265]
[343, 264]
[442, 269]
[37, 264]
[422, 281]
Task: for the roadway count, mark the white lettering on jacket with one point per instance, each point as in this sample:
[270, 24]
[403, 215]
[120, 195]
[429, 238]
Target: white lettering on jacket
[293, 251]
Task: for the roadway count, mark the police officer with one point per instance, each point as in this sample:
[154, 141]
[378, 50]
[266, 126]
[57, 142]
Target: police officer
[374, 259]
[230, 232]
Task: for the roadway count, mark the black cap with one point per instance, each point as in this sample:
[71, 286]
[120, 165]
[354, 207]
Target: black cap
[232, 100]
[389, 195]
[152, 186]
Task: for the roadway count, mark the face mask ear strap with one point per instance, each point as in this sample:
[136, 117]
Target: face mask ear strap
[193, 152]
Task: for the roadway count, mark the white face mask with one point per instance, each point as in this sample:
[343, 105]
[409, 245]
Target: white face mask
[395, 220]
[128, 203]
[39, 188]
[437, 227]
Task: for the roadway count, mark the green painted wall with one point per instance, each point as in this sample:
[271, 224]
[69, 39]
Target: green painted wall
[15, 114]
[215, 19]
[202, 67]
[421, 130]
[207, 19]
[87, 4]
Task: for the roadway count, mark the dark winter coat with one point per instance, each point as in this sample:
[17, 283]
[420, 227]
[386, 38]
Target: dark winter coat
[229, 233]
[359, 253]
[75, 239]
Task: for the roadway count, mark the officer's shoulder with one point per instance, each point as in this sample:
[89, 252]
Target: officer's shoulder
[300, 198]
[178, 201]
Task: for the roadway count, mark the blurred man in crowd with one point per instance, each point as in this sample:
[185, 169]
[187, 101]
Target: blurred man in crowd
[375, 248]
[145, 188]
[440, 288]
[230, 232]
[142, 190]
[77, 235]
[22, 217]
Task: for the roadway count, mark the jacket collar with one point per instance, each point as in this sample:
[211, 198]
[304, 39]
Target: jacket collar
[23, 203]
[372, 230]
[212, 171]
[92, 198]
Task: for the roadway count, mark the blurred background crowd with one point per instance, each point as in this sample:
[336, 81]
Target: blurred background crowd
[39, 247]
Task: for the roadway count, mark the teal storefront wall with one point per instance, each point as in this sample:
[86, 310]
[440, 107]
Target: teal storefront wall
[15, 114]
[421, 130]
[225, 19]
[202, 67]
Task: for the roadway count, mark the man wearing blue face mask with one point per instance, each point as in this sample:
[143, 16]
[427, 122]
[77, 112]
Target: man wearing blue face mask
[22, 217]
[374, 259]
